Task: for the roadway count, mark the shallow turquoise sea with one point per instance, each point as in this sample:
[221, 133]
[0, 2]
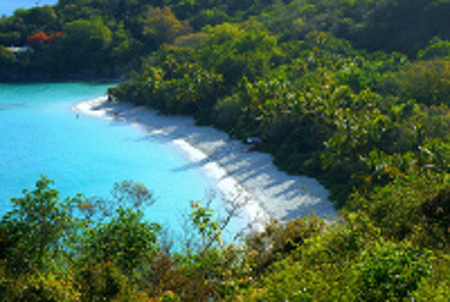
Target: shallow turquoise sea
[40, 134]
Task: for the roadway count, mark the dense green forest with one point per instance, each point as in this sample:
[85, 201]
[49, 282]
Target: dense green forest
[353, 92]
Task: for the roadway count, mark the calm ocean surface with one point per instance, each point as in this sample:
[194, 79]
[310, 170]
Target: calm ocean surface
[7, 7]
[40, 134]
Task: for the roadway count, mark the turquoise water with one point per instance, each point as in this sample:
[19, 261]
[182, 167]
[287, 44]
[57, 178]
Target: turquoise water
[41, 134]
[7, 7]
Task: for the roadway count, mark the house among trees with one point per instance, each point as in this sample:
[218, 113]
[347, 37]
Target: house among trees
[18, 49]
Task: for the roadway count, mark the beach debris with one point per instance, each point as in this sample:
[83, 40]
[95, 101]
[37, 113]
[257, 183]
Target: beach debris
[253, 140]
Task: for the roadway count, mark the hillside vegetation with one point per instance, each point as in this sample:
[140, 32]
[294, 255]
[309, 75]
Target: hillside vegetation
[353, 92]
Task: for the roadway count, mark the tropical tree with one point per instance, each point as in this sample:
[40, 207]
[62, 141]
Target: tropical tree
[40, 227]
[91, 38]
[235, 51]
[160, 26]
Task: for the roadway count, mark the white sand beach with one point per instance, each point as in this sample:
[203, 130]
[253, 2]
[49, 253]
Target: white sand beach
[241, 175]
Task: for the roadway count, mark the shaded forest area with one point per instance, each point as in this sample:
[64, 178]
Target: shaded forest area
[353, 92]
[111, 36]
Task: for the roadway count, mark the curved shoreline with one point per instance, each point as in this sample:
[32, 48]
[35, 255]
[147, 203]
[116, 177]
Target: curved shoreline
[241, 176]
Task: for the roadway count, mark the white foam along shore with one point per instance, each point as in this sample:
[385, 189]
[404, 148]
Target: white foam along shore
[241, 175]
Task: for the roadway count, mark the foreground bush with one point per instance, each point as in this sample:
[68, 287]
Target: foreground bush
[364, 255]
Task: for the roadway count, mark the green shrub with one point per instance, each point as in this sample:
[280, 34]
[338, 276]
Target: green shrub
[391, 271]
